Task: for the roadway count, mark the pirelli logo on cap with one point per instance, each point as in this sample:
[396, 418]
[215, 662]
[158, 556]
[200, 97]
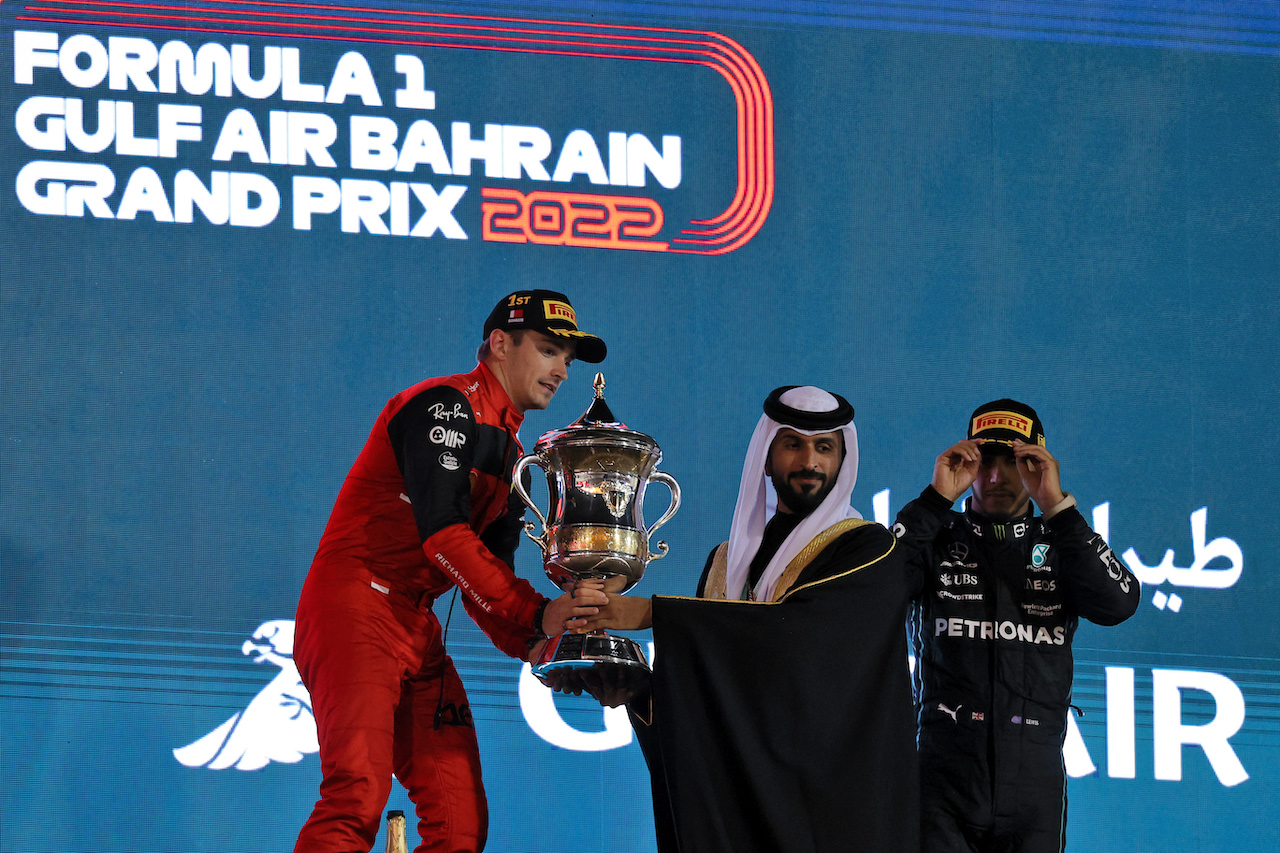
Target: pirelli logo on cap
[554, 309]
[1002, 420]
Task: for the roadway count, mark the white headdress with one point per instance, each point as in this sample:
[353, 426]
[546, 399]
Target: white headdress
[809, 411]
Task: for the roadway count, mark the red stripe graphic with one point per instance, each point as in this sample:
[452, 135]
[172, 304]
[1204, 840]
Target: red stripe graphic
[730, 229]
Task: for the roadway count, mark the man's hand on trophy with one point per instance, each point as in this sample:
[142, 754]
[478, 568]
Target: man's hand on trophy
[535, 651]
[612, 686]
[563, 680]
[569, 610]
[608, 684]
[621, 612]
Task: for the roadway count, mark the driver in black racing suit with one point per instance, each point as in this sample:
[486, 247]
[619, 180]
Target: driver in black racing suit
[1002, 593]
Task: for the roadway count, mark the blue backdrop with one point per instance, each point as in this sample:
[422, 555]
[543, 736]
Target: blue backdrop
[216, 271]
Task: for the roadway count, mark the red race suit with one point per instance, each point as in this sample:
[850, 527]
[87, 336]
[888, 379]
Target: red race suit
[426, 506]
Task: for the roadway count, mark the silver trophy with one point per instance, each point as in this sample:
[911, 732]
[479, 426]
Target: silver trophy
[597, 470]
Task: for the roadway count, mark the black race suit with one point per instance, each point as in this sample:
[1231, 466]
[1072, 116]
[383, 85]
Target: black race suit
[991, 632]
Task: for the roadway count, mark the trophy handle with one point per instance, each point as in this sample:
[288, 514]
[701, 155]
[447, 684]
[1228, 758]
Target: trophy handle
[517, 484]
[670, 482]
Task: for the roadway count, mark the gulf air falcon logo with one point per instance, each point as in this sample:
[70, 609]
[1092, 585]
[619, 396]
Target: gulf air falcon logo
[276, 725]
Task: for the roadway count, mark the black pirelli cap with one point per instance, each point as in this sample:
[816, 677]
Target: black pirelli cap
[1006, 421]
[548, 312]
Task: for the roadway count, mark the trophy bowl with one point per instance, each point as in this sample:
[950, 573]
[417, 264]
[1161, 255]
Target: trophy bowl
[597, 470]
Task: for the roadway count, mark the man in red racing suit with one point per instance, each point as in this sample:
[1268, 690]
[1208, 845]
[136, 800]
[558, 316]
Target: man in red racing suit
[1003, 592]
[427, 506]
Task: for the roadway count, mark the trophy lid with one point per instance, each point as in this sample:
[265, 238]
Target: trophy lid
[597, 424]
[598, 413]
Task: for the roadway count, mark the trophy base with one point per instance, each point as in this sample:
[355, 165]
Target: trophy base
[579, 651]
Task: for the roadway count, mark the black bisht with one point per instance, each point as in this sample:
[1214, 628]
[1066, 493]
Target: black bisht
[787, 727]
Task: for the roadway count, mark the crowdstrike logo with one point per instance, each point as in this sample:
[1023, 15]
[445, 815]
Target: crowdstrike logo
[964, 596]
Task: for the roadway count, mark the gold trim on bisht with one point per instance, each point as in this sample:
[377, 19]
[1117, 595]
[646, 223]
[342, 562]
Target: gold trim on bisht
[717, 577]
[813, 549]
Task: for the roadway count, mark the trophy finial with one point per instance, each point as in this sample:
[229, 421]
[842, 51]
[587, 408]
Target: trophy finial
[598, 412]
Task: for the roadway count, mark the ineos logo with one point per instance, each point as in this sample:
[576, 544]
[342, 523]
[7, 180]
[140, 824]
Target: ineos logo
[447, 437]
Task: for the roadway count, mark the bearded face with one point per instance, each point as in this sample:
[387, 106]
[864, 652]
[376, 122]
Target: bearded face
[803, 468]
